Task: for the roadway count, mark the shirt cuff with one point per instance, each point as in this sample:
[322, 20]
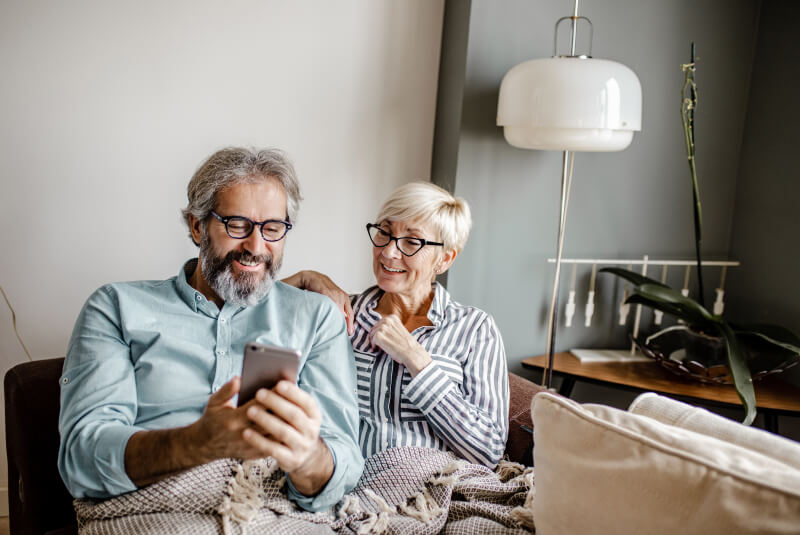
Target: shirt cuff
[111, 460]
[346, 472]
[429, 387]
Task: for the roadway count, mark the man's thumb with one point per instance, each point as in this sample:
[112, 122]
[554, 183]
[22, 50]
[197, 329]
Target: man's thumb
[225, 394]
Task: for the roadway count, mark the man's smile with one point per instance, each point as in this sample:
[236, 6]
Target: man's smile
[248, 265]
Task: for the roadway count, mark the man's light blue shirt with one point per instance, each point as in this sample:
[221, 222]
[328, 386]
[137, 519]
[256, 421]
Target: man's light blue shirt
[148, 354]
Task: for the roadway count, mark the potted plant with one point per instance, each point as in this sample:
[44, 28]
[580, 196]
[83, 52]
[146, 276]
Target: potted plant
[708, 340]
[747, 349]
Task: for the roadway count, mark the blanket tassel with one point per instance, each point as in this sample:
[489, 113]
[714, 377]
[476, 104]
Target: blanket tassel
[507, 470]
[245, 493]
[524, 513]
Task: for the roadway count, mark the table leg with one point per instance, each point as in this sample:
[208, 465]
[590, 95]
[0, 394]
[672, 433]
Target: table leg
[566, 386]
[770, 421]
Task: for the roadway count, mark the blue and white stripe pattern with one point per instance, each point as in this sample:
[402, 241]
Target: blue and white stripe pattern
[458, 402]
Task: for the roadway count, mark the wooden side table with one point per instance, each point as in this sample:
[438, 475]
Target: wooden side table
[773, 397]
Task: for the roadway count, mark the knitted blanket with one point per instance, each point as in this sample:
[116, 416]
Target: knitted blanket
[402, 490]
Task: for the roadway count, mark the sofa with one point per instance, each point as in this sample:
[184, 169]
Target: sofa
[38, 501]
[659, 467]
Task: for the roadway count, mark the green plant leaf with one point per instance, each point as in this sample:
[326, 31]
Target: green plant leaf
[742, 379]
[668, 308]
[675, 303]
[773, 334]
[630, 276]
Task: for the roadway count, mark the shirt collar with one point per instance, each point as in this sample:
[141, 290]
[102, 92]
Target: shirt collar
[189, 295]
[440, 301]
[368, 317]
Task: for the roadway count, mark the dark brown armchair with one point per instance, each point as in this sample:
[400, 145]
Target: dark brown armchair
[38, 501]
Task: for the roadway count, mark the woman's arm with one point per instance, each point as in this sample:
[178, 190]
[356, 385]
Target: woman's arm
[473, 419]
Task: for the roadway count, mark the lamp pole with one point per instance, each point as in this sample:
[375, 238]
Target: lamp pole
[566, 179]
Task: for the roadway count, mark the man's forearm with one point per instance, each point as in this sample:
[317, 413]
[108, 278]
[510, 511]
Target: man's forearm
[153, 455]
[316, 472]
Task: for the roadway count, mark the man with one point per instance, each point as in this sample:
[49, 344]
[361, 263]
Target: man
[150, 378]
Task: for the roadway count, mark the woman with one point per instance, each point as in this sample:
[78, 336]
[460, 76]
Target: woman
[431, 372]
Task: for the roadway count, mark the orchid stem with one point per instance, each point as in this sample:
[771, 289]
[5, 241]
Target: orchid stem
[688, 106]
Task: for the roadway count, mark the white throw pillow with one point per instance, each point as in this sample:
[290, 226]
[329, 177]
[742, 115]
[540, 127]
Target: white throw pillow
[603, 470]
[676, 413]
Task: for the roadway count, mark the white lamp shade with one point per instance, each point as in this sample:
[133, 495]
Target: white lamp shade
[569, 103]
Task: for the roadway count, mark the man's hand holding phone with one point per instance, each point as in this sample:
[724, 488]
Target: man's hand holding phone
[282, 422]
[285, 426]
[284, 419]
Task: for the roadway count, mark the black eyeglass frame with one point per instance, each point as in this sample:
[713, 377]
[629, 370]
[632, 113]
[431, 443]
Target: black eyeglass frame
[254, 224]
[396, 242]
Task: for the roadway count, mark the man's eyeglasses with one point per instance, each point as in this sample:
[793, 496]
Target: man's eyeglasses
[407, 246]
[239, 227]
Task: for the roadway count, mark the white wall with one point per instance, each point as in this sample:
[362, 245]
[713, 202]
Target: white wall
[108, 107]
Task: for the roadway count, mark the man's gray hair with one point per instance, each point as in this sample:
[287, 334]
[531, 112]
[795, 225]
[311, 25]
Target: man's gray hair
[235, 165]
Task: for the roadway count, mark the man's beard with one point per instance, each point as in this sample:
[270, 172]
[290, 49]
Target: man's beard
[244, 289]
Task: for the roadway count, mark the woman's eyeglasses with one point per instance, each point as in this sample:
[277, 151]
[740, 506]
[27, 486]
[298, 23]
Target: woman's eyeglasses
[407, 246]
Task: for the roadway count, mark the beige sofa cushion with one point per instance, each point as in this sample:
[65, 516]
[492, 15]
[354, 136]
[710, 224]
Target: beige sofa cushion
[603, 470]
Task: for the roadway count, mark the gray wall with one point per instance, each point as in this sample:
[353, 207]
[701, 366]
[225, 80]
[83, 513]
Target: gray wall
[623, 204]
[766, 223]
[637, 201]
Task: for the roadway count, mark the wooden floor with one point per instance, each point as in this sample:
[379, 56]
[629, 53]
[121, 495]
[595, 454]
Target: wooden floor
[4, 530]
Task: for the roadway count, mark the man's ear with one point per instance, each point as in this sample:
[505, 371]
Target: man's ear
[446, 261]
[196, 228]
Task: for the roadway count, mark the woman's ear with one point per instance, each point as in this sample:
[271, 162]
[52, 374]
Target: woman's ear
[196, 228]
[445, 261]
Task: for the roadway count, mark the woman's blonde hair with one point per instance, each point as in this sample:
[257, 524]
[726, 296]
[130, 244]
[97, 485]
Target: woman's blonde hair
[426, 202]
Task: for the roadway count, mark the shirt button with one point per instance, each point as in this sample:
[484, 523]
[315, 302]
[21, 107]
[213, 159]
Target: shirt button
[197, 296]
[64, 380]
[222, 320]
[220, 352]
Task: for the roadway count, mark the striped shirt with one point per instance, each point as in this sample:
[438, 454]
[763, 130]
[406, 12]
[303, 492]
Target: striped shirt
[458, 402]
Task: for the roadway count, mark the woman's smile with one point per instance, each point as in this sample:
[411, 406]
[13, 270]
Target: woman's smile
[392, 270]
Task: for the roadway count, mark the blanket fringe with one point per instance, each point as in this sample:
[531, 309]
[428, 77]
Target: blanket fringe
[376, 522]
[425, 507]
[382, 505]
[507, 470]
[351, 506]
[245, 493]
[453, 466]
[447, 476]
[524, 513]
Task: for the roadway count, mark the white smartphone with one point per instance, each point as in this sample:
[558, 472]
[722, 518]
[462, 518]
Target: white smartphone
[264, 366]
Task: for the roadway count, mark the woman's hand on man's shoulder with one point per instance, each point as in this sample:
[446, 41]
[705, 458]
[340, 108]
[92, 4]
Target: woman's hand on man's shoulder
[320, 283]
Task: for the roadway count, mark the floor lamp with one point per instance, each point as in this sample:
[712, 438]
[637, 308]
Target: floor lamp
[569, 103]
